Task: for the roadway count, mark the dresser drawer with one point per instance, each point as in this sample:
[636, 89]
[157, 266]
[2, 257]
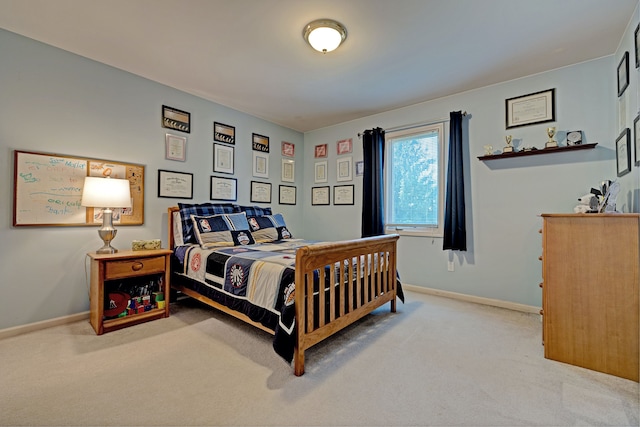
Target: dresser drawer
[133, 267]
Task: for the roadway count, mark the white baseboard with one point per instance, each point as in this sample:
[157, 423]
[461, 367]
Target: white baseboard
[471, 298]
[36, 326]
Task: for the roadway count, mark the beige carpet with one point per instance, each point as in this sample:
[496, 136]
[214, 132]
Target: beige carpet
[437, 362]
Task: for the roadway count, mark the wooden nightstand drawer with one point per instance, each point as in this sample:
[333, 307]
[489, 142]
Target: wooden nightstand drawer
[135, 267]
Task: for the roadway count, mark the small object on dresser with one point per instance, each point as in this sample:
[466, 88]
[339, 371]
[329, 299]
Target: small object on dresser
[145, 245]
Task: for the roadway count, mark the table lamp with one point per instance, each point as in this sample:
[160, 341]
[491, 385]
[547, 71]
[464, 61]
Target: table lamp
[106, 193]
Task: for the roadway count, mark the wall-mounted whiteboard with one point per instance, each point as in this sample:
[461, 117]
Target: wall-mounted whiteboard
[48, 189]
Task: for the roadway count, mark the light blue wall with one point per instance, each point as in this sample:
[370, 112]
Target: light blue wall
[54, 101]
[504, 197]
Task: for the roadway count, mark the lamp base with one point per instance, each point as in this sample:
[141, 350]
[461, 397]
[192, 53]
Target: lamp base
[107, 233]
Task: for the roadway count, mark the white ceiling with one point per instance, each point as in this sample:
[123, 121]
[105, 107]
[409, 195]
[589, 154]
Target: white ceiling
[249, 54]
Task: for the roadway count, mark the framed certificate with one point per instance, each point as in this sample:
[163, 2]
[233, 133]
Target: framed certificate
[175, 185]
[287, 195]
[320, 195]
[343, 195]
[538, 107]
[224, 188]
[260, 192]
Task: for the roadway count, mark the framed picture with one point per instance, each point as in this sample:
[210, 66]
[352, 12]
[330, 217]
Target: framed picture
[344, 146]
[260, 164]
[288, 170]
[345, 166]
[360, 168]
[224, 133]
[260, 143]
[623, 152]
[223, 189]
[287, 195]
[320, 151]
[175, 147]
[175, 185]
[320, 195]
[222, 158]
[623, 73]
[260, 192]
[321, 172]
[173, 118]
[637, 45]
[636, 138]
[343, 195]
[288, 149]
[538, 107]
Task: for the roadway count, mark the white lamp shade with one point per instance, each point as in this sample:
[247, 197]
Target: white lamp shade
[324, 35]
[106, 193]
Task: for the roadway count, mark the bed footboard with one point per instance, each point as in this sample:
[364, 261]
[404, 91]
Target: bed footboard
[364, 280]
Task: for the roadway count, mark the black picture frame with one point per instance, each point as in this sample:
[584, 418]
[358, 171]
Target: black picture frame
[223, 188]
[179, 120]
[224, 133]
[637, 45]
[260, 143]
[623, 73]
[636, 138]
[343, 195]
[175, 185]
[287, 195]
[260, 192]
[623, 153]
[530, 109]
[321, 196]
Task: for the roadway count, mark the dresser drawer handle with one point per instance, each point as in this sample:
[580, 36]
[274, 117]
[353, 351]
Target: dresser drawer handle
[137, 266]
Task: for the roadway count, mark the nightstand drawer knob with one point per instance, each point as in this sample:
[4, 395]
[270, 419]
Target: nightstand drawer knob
[137, 266]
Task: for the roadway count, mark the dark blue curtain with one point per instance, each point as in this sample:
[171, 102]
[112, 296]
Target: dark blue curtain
[373, 183]
[455, 231]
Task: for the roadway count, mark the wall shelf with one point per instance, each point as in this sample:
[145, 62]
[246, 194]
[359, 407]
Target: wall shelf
[536, 152]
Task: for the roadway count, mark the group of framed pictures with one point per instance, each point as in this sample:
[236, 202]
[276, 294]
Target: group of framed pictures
[342, 195]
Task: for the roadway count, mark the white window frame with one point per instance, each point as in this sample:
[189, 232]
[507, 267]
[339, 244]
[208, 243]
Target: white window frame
[418, 230]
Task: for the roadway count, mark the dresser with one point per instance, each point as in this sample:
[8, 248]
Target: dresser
[590, 297]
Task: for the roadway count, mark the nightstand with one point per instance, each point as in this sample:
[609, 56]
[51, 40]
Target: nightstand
[127, 288]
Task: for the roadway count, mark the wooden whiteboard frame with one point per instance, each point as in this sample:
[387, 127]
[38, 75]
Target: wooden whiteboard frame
[67, 174]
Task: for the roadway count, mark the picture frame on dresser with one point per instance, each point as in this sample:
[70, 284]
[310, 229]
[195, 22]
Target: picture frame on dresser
[623, 153]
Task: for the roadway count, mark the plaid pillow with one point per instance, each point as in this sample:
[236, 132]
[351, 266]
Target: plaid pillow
[253, 210]
[222, 230]
[204, 209]
[269, 228]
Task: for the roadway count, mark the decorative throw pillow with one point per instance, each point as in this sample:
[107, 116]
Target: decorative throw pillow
[203, 209]
[269, 228]
[222, 230]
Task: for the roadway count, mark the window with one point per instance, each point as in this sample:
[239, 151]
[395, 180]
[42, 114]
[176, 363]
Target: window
[415, 180]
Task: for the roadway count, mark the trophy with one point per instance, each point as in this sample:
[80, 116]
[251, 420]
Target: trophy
[551, 143]
[508, 148]
[488, 150]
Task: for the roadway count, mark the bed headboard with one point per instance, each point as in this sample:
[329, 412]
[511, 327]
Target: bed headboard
[170, 234]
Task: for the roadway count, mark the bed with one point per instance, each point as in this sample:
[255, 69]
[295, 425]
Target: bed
[244, 261]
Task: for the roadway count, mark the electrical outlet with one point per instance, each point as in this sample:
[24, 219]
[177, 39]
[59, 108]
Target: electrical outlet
[450, 266]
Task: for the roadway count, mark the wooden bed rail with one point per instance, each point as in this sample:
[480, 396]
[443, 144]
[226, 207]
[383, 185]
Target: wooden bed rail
[364, 280]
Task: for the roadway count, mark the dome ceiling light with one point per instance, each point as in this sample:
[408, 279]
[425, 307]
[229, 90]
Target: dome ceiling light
[324, 35]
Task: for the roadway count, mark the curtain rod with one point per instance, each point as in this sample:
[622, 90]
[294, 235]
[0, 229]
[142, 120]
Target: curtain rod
[416, 125]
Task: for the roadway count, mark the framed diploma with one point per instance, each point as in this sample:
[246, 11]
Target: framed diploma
[260, 192]
[344, 168]
[623, 152]
[288, 170]
[320, 195]
[224, 188]
[538, 107]
[287, 195]
[175, 147]
[343, 195]
[222, 158]
[175, 185]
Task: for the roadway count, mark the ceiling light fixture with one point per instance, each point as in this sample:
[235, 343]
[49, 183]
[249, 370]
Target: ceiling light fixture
[324, 35]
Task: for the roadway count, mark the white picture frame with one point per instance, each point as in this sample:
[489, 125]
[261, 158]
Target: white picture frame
[320, 172]
[288, 170]
[260, 164]
[175, 147]
[222, 158]
[344, 169]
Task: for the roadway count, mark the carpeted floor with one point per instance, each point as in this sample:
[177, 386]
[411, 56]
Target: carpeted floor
[436, 362]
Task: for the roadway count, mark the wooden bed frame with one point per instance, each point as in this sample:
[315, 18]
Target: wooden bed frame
[372, 261]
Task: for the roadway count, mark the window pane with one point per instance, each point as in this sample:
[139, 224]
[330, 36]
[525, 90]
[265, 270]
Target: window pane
[414, 198]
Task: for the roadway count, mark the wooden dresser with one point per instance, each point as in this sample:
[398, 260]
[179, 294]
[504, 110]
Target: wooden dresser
[590, 295]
